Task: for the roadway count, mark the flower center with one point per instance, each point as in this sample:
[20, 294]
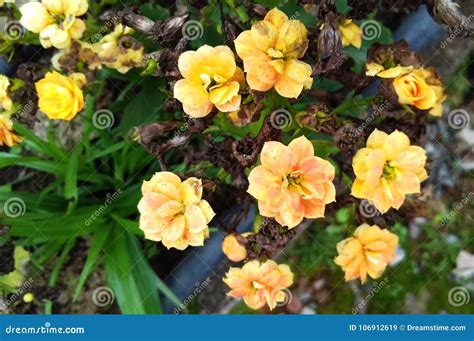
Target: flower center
[275, 54]
[389, 171]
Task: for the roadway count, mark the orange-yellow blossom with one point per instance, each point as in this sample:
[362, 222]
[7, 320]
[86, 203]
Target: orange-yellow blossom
[374, 69]
[172, 211]
[350, 33]
[59, 96]
[259, 284]
[233, 249]
[270, 51]
[7, 136]
[422, 89]
[368, 252]
[388, 169]
[291, 183]
[211, 78]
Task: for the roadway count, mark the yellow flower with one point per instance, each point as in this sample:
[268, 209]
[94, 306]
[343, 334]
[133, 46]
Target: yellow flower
[388, 169]
[434, 81]
[368, 252]
[233, 249]
[7, 136]
[292, 183]
[374, 69]
[3, 2]
[260, 284]
[55, 21]
[413, 89]
[112, 54]
[270, 51]
[350, 34]
[5, 100]
[211, 78]
[172, 211]
[59, 96]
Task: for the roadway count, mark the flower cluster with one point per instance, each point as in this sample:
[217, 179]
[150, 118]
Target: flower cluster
[260, 284]
[388, 169]
[368, 252]
[172, 211]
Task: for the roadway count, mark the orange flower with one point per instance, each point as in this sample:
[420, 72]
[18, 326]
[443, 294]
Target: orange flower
[292, 183]
[270, 51]
[7, 136]
[233, 249]
[388, 169]
[259, 284]
[421, 88]
[366, 253]
[173, 212]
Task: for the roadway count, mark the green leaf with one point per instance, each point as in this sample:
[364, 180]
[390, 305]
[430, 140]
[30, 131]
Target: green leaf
[130, 277]
[129, 225]
[37, 144]
[98, 243]
[70, 181]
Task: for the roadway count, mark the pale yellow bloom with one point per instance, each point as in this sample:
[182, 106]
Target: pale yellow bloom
[233, 249]
[260, 284]
[374, 69]
[368, 252]
[55, 20]
[7, 136]
[211, 78]
[172, 211]
[270, 51]
[59, 96]
[5, 100]
[388, 169]
[292, 183]
[115, 56]
[3, 2]
[350, 34]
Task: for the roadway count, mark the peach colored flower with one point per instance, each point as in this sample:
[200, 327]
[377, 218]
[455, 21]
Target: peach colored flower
[291, 183]
[211, 78]
[172, 211]
[270, 51]
[7, 136]
[259, 284]
[350, 33]
[233, 249]
[368, 252]
[388, 169]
